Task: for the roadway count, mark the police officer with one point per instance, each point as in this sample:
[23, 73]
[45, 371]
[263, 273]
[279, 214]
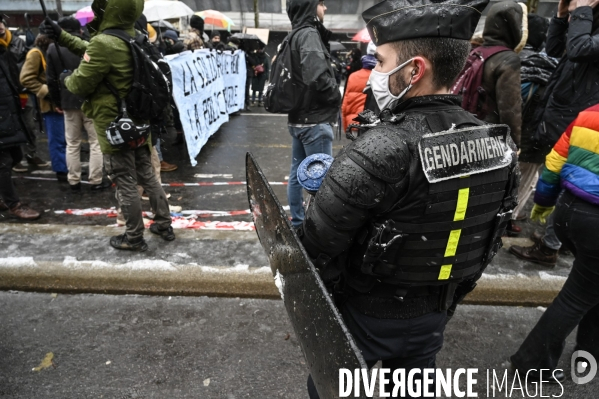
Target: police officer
[412, 211]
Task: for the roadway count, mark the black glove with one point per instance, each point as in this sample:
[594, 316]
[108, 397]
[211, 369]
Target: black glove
[51, 29]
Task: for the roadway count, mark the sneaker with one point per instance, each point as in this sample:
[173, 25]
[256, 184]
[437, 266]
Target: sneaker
[20, 168]
[23, 211]
[167, 234]
[537, 253]
[167, 167]
[175, 208]
[36, 161]
[145, 197]
[122, 242]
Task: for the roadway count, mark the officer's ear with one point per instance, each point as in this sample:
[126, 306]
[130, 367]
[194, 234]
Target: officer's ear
[420, 68]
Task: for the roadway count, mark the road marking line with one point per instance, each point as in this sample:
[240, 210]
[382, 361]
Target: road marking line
[208, 176]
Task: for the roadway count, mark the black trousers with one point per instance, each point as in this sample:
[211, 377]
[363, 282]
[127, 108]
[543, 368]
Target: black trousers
[577, 303]
[400, 344]
[9, 157]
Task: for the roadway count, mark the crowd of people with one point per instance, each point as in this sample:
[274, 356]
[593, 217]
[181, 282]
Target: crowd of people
[47, 105]
[379, 225]
[375, 229]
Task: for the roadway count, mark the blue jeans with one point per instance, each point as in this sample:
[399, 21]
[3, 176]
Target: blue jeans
[306, 141]
[57, 143]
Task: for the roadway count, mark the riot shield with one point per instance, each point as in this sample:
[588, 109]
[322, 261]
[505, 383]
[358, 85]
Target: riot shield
[325, 341]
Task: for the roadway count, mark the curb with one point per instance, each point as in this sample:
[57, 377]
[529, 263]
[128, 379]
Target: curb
[161, 277]
[164, 278]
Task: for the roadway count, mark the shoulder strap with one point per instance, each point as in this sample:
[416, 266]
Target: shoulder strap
[121, 34]
[36, 50]
[487, 52]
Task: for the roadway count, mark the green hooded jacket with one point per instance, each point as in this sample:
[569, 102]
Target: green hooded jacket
[105, 58]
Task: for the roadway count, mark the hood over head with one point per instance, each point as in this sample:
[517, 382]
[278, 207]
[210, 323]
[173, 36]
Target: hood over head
[302, 12]
[506, 25]
[115, 14]
[142, 24]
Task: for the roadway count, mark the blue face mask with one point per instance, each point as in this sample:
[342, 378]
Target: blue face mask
[379, 82]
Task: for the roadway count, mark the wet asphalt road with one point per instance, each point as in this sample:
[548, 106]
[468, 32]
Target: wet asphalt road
[209, 348]
[264, 135]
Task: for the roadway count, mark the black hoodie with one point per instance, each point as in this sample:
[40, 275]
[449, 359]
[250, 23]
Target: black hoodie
[312, 68]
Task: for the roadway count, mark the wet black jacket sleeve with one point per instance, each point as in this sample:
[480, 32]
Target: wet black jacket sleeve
[556, 37]
[354, 190]
[582, 46]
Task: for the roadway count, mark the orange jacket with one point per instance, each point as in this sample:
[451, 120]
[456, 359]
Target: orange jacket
[354, 99]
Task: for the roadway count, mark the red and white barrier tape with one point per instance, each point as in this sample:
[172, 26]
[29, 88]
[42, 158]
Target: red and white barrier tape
[197, 184]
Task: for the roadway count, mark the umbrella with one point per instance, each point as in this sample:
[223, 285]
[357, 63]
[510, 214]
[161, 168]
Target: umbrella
[337, 46]
[164, 25]
[155, 10]
[85, 15]
[362, 36]
[216, 18]
[249, 42]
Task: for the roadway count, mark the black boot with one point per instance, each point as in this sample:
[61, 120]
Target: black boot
[122, 242]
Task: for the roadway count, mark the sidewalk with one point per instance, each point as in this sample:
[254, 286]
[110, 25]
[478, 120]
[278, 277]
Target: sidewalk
[61, 258]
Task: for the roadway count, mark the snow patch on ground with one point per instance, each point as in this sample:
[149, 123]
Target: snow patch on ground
[551, 277]
[24, 261]
[235, 269]
[280, 283]
[145, 264]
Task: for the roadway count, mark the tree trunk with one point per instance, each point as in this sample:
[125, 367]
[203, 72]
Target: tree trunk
[256, 15]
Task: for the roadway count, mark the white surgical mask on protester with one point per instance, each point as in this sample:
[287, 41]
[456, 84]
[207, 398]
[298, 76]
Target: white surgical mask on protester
[379, 82]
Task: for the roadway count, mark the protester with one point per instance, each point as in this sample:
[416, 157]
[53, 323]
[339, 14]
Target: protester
[355, 62]
[33, 78]
[380, 230]
[19, 50]
[261, 73]
[215, 39]
[172, 43]
[74, 119]
[194, 39]
[573, 161]
[250, 63]
[354, 97]
[320, 98]
[573, 87]
[13, 132]
[107, 58]
[505, 26]
[233, 44]
[535, 73]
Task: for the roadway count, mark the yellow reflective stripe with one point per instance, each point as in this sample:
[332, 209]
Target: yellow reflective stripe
[452, 244]
[454, 235]
[445, 272]
[460, 210]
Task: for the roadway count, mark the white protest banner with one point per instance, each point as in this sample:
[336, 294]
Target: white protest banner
[207, 87]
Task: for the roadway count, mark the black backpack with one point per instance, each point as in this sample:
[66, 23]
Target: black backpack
[282, 95]
[151, 90]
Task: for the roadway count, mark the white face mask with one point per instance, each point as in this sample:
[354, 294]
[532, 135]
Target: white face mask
[380, 87]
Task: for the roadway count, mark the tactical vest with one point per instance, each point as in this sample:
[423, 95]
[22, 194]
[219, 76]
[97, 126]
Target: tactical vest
[449, 223]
